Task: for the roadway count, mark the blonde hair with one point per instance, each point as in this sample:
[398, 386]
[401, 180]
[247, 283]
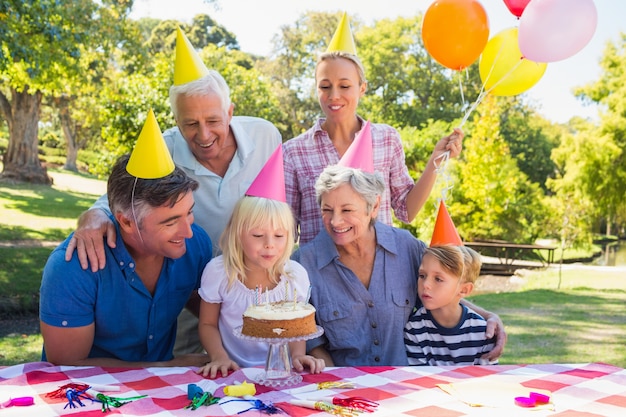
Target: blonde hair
[350, 57]
[461, 261]
[251, 212]
[451, 258]
[472, 264]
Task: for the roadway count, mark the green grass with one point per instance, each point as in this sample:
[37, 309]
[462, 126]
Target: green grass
[20, 348]
[582, 319]
[577, 316]
[20, 276]
[35, 212]
[32, 211]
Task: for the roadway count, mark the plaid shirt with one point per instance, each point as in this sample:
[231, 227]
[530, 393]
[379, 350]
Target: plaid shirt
[307, 155]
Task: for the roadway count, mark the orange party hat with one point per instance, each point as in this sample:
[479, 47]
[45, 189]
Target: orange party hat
[150, 158]
[188, 65]
[445, 233]
[342, 40]
[270, 182]
[360, 154]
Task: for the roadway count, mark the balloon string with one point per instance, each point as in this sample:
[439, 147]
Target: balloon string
[461, 90]
[483, 93]
[444, 179]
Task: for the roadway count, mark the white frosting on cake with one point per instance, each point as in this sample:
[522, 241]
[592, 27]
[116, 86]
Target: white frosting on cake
[284, 310]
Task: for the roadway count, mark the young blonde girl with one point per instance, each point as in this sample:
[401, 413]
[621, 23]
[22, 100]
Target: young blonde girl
[256, 246]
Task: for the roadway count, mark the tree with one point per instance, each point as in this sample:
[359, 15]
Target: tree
[128, 97]
[493, 199]
[406, 87]
[530, 138]
[571, 207]
[291, 68]
[604, 166]
[41, 50]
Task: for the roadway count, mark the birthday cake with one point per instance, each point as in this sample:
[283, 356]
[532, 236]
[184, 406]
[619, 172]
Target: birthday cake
[283, 319]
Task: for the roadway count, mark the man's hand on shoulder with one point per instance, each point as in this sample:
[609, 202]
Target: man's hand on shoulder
[87, 240]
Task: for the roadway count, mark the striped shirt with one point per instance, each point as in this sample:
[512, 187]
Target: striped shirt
[428, 343]
[306, 156]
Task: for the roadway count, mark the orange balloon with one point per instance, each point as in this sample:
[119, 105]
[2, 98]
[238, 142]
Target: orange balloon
[455, 32]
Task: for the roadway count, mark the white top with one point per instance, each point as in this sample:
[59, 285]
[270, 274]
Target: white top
[214, 289]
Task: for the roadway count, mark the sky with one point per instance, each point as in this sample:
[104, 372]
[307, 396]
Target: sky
[256, 22]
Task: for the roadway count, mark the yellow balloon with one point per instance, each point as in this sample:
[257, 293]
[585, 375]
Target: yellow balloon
[503, 69]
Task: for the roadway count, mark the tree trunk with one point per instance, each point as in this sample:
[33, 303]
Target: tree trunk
[71, 146]
[21, 160]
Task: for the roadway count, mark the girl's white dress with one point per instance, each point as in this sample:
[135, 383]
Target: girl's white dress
[234, 301]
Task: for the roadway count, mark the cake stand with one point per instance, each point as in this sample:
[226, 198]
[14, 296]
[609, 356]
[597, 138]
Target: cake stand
[278, 368]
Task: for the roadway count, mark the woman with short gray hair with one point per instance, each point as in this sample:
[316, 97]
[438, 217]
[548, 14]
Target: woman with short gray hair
[363, 274]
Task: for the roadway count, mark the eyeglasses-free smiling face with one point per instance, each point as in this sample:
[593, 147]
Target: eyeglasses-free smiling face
[164, 229]
[205, 125]
[338, 88]
[345, 215]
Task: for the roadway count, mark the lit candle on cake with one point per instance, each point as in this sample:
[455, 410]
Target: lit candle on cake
[295, 297]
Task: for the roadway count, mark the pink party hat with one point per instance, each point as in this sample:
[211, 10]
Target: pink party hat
[270, 182]
[360, 153]
[445, 233]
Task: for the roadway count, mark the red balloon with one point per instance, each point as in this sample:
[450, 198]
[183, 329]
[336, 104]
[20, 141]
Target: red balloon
[516, 6]
[455, 32]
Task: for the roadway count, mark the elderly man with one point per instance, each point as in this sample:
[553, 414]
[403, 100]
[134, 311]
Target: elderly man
[224, 153]
[125, 313]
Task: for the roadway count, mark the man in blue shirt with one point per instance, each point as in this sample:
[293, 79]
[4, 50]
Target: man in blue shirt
[125, 313]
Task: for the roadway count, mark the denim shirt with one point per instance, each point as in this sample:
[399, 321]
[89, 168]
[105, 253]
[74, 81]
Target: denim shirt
[364, 327]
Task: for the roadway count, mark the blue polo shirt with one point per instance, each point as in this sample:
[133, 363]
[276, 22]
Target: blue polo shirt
[130, 323]
[364, 326]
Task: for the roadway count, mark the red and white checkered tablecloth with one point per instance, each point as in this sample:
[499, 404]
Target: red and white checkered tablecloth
[576, 390]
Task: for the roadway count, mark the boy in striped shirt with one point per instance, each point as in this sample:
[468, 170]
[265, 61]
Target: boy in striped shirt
[443, 331]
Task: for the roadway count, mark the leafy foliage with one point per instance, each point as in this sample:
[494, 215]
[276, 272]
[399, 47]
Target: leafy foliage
[406, 86]
[96, 73]
[493, 197]
[604, 169]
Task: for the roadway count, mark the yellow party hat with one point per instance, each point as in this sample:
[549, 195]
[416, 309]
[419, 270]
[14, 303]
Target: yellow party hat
[188, 65]
[150, 159]
[342, 40]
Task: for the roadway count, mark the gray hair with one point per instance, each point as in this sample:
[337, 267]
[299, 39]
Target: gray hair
[350, 57]
[212, 83]
[124, 190]
[368, 185]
